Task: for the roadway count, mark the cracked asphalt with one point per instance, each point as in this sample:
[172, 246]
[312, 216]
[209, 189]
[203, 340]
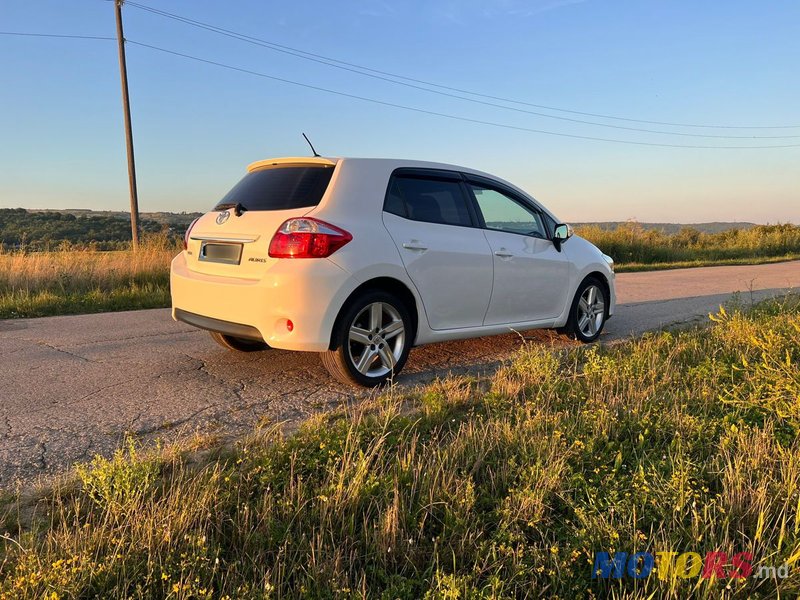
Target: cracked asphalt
[72, 387]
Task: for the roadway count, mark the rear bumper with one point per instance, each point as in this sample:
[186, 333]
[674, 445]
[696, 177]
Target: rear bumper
[308, 293]
[218, 325]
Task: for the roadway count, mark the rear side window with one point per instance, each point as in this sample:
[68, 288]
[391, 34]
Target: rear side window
[279, 188]
[429, 200]
[394, 202]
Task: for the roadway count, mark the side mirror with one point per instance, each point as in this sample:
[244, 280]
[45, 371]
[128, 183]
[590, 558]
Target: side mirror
[561, 234]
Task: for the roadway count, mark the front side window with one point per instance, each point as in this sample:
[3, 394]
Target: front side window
[428, 199]
[503, 213]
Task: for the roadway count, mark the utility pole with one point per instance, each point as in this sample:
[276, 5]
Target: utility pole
[126, 108]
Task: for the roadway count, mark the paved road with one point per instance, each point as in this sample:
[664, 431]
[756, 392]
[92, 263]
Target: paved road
[71, 387]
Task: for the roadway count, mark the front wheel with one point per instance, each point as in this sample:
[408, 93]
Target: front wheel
[588, 312]
[372, 341]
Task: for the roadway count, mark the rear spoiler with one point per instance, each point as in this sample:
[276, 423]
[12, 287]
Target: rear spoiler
[293, 160]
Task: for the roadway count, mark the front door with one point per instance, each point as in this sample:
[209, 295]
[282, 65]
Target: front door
[531, 277]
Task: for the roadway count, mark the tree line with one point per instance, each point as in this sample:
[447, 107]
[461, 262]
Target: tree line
[22, 229]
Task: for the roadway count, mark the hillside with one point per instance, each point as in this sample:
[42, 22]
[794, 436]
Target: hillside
[671, 228]
[106, 230]
[181, 219]
[38, 229]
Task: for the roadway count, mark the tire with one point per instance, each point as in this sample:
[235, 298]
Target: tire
[377, 317]
[238, 344]
[589, 311]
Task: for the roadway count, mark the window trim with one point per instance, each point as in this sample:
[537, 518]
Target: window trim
[435, 175]
[513, 195]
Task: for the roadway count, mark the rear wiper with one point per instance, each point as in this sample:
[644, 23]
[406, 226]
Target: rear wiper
[238, 207]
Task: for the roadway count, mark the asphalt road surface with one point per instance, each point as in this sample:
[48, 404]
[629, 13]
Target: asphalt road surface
[72, 387]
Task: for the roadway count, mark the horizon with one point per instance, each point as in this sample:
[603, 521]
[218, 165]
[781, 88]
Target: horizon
[196, 125]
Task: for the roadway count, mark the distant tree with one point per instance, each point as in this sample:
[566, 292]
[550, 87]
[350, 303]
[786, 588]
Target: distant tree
[38, 230]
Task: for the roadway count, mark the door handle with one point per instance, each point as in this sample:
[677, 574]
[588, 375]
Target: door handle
[414, 245]
[503, 253]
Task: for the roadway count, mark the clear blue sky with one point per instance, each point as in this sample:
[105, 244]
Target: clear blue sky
[196, 126]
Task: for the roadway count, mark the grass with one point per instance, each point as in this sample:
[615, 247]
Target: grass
[74, 280]
[758, 260]
[636, 248]
[68, 281]
[502, 487]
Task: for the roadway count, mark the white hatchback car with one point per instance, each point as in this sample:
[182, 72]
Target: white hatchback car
[361, 259]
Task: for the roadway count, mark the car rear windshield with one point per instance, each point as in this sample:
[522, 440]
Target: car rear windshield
[279, 188]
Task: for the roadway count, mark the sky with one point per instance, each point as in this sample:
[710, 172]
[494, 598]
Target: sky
[197, 125]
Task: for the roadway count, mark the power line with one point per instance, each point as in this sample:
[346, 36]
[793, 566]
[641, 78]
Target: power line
[271, 46]
[416, 109]
[385, 76]
[57, 35]
[439, 114]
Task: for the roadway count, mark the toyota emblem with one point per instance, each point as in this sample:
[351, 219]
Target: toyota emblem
[223, 216]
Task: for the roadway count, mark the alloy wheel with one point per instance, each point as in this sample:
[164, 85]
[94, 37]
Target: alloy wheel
[591, 311]
[376, 339]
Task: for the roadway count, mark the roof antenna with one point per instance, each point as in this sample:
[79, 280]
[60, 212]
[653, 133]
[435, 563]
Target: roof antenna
[312, 146]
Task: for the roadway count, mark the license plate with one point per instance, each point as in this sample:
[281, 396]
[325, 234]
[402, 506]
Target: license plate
[229, 254]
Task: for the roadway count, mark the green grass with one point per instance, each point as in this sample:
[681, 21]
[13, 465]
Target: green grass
[760, 260]
[632, 244]
[73, 280]
[502, 487]
[46, 303]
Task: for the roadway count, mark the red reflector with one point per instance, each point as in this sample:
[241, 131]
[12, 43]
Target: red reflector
[289, 325]
[307, 238]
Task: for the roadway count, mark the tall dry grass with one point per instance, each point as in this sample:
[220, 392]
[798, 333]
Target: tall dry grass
[75, 279]
[503, 487]
[632, 245]
[83, 280]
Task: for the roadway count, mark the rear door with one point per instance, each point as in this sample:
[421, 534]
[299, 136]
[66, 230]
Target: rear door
[233, 240]
[531, 277]
[432, 223]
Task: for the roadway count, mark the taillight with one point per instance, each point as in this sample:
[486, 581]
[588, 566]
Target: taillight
[307, 238]
[188, 231]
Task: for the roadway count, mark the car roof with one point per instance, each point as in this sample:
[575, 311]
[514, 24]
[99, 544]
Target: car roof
[387, 165]
[382, 163]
